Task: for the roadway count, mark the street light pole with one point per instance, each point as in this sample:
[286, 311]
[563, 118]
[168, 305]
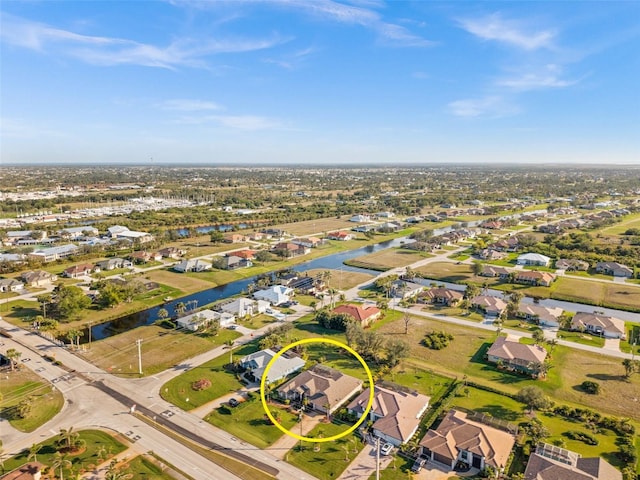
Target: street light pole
[139, 344]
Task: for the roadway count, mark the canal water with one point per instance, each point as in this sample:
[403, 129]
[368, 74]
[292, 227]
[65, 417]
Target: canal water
[146, 317]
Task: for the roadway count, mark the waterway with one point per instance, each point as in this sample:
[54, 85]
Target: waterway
[146, 317]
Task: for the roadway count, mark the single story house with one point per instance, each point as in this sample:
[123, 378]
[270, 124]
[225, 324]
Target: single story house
[308, 242]
[458, 438]
[78, 270]
[536, 259]
[144, 256]
[172, 252]
[192, 266]
[614, 268]
[275, 295]
[285, 365]
[545, 316]
[320, 388]
[343, 236]
[549, 462]
[303, 284]
[442, 296]
[246, 254]
[404, 289]
[11, 285]
[113, 263]
[233, 238]
[531, 277]
[203, 318]
[598, 324]
[365, 314]
[395, 412]
[491, 254]
[242, 307]
[488, 304]
[38, 278]
[571, 264]
[515, 355]
[491, 271]
[233, 262]
[292, 249]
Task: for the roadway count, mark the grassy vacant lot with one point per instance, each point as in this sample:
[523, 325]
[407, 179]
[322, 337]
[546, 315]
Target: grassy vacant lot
[332, 458]
[187, 284]
[318, 226]
[464, 356]
[508, 409]
[630, 221]
[388, 259]
[249, 422]
[21, 385]
[342, 279]
[96, 441]
[223, 381]
[161, 348]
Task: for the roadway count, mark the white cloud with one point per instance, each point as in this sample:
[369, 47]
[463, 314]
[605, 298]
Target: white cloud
[109, 51]
[492, 106]
[238, 122]
[186, 105]
[494, 27]
[548, 78]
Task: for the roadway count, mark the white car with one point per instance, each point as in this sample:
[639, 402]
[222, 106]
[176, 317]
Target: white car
[386, 449]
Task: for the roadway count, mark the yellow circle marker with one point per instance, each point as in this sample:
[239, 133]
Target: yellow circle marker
[305, 342]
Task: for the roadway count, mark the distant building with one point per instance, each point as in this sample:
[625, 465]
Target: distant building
[192, 266]
[52, 254]
[598, 324]
[614, 268]
[516, 356]
[362, 314]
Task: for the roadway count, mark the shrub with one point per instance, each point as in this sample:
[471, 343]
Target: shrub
[437, 340]
[590, 387]
[201, 384]
[582, 437]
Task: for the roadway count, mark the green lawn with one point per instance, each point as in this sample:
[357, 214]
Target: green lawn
[582, 338]
[142, 468]
[21, 385]
[248, 421]
[398, 469]
[331, 459]
[179, 392]
[96, 441]
[421, 380]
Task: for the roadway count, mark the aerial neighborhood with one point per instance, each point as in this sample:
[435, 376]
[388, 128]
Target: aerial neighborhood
[501, 330]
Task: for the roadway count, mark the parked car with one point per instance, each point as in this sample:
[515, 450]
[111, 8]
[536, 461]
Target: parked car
[233, 402]
[418, 464]
[386, 449]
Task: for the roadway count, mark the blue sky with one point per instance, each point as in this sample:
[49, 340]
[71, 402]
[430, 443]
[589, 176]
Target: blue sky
[301, 81]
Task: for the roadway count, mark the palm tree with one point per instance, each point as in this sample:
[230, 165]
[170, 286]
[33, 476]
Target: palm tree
[69, 438]
[13, 355]
[180, 308]
[33, 452]
[229, 345]
[60, 461]
[163, 313]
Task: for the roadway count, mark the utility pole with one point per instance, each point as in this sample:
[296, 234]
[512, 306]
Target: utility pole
[89, 328]
[139, 344]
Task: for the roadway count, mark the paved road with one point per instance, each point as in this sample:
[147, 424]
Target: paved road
[88, 406]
